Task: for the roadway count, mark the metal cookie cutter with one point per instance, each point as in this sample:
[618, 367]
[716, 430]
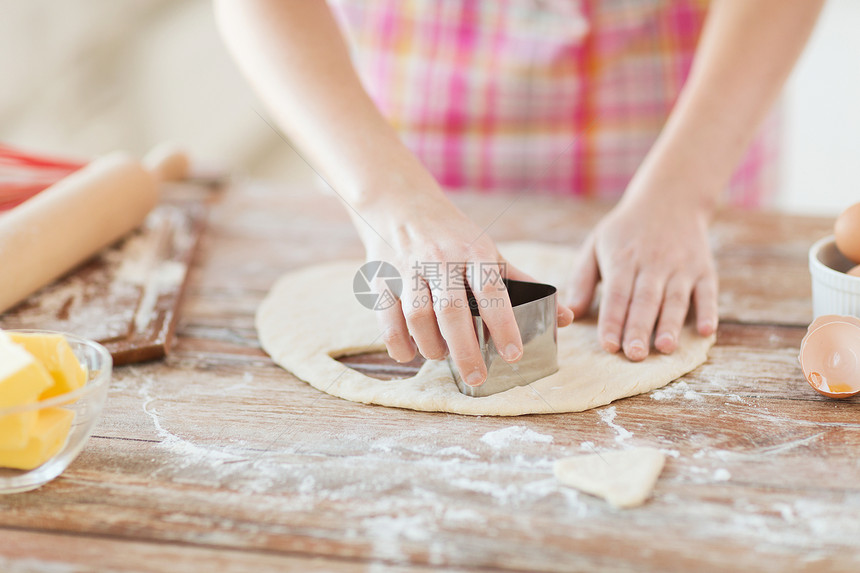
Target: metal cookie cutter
[534, 307]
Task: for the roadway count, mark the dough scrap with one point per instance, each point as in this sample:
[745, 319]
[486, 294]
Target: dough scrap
[624, 478]
[311, 317]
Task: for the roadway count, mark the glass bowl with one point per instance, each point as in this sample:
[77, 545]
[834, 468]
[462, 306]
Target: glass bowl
[85, 403]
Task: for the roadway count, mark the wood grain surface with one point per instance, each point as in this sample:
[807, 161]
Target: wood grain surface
[127, 297]
[217, 460]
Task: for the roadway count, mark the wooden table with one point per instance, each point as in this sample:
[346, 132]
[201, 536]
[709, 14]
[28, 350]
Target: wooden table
[217, 460]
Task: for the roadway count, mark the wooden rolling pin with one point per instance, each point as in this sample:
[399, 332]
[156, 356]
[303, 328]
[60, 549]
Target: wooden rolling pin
[70, 221]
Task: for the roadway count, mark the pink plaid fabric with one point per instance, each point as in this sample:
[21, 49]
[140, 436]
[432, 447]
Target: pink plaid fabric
[550, 96]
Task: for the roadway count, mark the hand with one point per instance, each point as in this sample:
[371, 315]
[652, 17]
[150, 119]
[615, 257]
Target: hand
[437, 250]
[652, 256]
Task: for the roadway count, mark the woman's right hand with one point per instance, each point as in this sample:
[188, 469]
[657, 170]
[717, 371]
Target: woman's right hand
[438, 250]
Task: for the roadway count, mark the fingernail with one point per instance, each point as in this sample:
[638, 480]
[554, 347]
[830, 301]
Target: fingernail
[612, 341]
[476, 378]
[707, 326]
[637, 348]
[512, 352]
[664, 340]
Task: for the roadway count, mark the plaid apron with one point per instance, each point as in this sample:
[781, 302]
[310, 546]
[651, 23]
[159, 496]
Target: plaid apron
[543, 96]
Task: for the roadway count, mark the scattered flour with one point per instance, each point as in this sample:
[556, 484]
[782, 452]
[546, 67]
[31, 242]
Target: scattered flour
[608, 415]
[504, 494]
[456, 451]
[722, 474]
[386, 533]
[677, 390]
[188, 452]
[307, 486]
[499, 439]
[786, 511]
[463, 516]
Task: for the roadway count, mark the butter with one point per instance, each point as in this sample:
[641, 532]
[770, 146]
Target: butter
[22, 380]
[34, 367]
[54, 353]
[22, 377]
[15, 429]
[47, 437]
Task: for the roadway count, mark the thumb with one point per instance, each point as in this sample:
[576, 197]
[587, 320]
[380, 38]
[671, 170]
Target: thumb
[586, 274]
[564, 316]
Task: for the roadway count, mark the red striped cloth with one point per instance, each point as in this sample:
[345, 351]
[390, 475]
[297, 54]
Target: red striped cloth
[24, 174]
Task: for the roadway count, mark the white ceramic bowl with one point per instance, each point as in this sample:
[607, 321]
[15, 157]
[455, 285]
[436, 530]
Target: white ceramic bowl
[86, 403]
[833, 291]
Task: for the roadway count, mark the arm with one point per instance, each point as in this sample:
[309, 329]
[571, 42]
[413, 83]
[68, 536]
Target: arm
[652, 251]
[295, 58]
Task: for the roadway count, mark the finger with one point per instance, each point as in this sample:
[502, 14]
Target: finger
[642, 315]
[564, 315]
[494, 305]
[458, 330]
[585, 277]
[421, 320]
[673, 314]
[705, 299]
[395, 333]
[618, 286]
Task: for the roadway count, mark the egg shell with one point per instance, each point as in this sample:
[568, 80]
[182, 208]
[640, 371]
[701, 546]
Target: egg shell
[847, 231]
[829, 356]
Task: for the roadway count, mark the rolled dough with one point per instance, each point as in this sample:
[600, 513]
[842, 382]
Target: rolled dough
[310, 318]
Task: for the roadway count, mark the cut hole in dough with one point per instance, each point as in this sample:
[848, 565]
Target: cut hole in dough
[381, 366]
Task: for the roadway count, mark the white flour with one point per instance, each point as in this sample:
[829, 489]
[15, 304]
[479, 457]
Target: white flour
[503, 438]
[369, 477]
[722, 474]
[677, 390]
[608, 415]
[456, 451]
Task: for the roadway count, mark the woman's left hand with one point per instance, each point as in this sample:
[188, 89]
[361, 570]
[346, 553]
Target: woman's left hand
[653, 257]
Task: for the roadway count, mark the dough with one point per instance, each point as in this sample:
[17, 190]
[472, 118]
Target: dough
[624, 478]
[310, 317]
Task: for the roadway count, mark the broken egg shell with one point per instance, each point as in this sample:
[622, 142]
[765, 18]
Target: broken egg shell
[830, 356]
[826, 318]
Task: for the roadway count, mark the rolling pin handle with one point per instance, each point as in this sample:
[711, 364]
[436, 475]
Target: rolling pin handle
[168, 162]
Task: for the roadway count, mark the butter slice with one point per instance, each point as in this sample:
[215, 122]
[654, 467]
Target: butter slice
[22, 378]
[54, 353]
[48, 437]
[15, 429]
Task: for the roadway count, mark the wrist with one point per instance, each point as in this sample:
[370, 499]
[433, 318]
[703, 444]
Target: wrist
[686, 181]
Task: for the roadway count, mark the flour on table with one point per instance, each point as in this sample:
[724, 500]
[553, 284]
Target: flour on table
[499, 439]
[677, 390]
[457, 451]
[608, 417]
[311, 317]
[722, 474]
[624, 478]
